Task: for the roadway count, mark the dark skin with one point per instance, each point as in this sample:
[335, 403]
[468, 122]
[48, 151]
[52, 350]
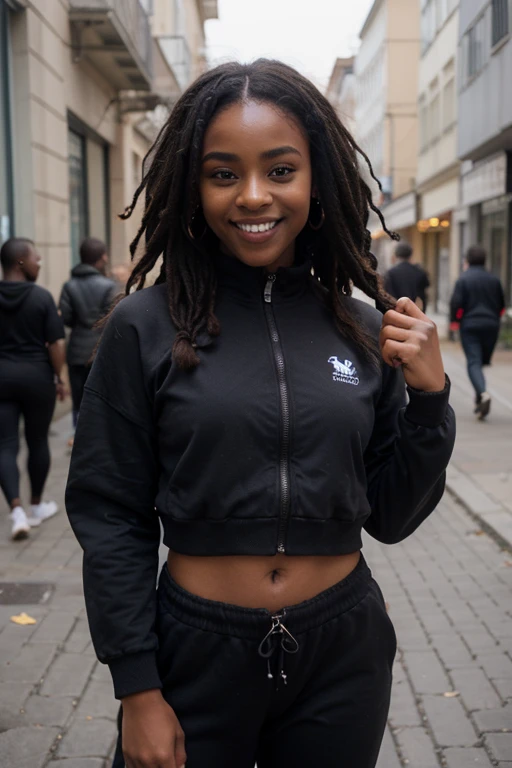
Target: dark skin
[27, 269]
[257, 170]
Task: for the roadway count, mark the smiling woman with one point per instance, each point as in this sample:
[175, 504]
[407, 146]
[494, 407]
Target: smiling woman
[256, 408]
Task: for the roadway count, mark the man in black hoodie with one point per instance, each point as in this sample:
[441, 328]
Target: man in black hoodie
[84, 300]
[407, 279]
[477, 303]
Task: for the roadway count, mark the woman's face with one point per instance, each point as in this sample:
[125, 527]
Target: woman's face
[255, 183]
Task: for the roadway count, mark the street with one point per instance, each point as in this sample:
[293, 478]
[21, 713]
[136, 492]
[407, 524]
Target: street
[448, 588]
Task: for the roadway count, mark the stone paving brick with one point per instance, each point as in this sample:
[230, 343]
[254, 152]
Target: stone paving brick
[98, 701]
[426, 672]
[500, 745]
[68, 676]
[87, 738]
[452, 650]
[388, 757]
[26, 747]
[403, 705]
[494, 719]
[54, 628]
[466, 758]
[475, 689]
[417, 748]
[80, 639]
[12, 698]
[30, 665]
[504, 687]
[495, 665]
[449, 722]
[45, 710]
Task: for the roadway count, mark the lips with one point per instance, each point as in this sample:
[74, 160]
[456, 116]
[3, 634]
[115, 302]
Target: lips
[264, 227]
[257, 231]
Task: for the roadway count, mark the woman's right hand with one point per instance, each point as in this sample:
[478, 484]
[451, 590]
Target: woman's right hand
[152, 735]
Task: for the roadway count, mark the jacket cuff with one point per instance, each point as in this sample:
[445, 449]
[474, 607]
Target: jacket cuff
[134, 673]
[428, 409]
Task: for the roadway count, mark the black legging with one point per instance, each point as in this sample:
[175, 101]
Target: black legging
[26, 389]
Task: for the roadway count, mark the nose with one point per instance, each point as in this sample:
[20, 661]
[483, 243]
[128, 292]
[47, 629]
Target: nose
[254, 194]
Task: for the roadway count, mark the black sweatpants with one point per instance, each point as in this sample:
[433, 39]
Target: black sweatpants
[77, 378]
[28, 390]
[327, 699]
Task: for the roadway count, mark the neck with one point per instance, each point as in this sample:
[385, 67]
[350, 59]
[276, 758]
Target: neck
[16, 276]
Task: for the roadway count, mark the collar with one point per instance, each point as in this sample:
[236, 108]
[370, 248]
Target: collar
[248, 283]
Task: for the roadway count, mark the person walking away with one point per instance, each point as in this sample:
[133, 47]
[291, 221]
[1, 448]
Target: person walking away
[84, 300]
[407, 279]
[31, 360]
[476, 306]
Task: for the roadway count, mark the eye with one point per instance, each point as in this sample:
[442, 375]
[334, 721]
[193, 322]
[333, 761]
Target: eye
[281, 171]
[223, 175]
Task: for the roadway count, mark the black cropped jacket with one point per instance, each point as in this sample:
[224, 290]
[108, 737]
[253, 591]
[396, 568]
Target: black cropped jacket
[286, 438]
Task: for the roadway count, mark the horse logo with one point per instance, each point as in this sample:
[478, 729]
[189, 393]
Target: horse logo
[345, 371]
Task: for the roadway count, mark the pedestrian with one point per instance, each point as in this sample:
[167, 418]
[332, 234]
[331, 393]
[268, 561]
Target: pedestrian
[84, 300]
[31, 360]
[476, 306]
[244, 400]
[407, 279]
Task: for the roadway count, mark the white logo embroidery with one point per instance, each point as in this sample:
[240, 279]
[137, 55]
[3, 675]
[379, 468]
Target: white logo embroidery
[345, 372]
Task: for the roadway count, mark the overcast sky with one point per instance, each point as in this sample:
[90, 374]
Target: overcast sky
[308, 34]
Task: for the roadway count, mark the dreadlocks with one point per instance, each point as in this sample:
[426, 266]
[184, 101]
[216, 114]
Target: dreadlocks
[340, 250]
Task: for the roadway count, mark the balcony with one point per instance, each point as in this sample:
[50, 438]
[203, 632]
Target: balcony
[208, 9]
[177, 54]
[115, 36]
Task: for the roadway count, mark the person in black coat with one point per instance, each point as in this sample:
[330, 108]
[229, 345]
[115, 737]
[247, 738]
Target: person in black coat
[406, 279]
[477, 303]
[84, 300]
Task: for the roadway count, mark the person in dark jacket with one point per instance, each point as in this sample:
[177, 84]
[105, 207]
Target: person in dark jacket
[31, 360]
[476, 306]
[84, 300]
[406, 279]
[259, 411]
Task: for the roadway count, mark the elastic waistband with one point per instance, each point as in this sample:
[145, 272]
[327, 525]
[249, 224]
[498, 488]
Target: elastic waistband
[233, 620]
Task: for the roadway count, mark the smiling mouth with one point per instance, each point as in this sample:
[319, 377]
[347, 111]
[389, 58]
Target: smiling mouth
[255, 228]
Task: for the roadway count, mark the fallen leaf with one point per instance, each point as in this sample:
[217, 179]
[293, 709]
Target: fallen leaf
[451, 694]
[479, 532]
[23, 619]
[88, 717]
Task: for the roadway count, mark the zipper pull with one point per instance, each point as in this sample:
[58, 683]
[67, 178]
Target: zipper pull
[267, 294]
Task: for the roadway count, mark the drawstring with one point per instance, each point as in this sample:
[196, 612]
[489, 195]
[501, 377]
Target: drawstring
[287, 644]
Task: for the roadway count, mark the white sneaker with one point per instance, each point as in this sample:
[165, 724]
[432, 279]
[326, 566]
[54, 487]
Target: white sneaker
[42, 511]
[20, 527]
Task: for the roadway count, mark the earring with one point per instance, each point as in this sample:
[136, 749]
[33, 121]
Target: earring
[193, 220]
[319, 214]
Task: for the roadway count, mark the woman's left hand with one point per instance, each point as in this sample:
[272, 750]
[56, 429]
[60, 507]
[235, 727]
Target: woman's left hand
[408, 338]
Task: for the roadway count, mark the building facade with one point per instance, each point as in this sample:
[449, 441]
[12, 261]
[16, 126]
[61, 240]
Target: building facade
[341, 92]
[485, 130]
[437, 178]
[386, 71]
[88, 82]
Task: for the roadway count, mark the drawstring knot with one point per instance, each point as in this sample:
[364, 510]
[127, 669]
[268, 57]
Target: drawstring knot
[287, 644]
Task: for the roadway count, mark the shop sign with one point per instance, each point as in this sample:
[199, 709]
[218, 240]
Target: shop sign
[487, 179]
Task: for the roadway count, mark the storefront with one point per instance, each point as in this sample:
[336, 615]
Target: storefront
[487, 191]
[401, 217]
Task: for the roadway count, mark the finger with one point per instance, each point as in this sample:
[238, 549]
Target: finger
[396, 353]
[407, 307]
[393, 333]
[179, 750]
[392, 317]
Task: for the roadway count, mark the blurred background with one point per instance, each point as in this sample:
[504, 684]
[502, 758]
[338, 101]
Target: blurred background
[422, 84]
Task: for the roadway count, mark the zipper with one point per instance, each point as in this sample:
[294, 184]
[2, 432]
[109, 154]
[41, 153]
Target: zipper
[284, 470]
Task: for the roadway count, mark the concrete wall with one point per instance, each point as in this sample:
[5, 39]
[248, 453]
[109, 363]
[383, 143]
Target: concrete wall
[490, 90]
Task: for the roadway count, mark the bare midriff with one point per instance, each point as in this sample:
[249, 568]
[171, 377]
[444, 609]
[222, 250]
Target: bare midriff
[272, 582]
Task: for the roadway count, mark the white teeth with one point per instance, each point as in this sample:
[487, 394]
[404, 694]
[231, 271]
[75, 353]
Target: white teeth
[257, 227]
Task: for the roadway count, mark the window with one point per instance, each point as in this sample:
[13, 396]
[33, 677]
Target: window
[500, 22]
[449, 106]
[423, 115]
[435, 118]
[428, 24]
[476, 48]
[88, 186]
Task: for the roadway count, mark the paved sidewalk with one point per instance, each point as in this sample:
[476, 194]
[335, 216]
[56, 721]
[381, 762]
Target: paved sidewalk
[480, 474]
[449, 589]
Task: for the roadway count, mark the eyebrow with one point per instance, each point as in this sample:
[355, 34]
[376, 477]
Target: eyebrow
[269, 154]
